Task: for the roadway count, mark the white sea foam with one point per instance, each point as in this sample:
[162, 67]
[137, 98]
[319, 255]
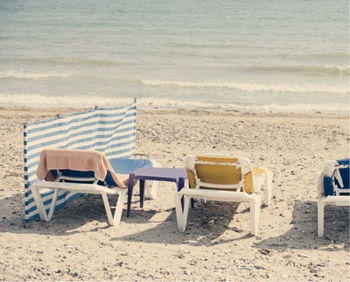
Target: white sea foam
[64, 61]
[249, 87]
[33, 75]
[40, 101]
[325, 69]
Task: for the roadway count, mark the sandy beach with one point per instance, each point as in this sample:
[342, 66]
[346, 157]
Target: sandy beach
[78, 244]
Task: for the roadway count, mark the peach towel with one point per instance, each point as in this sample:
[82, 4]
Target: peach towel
[52, 159]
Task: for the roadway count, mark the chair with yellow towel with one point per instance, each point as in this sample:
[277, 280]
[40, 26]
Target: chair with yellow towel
[227, 179]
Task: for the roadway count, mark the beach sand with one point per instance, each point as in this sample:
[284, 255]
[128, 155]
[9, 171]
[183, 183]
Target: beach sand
[78, 244]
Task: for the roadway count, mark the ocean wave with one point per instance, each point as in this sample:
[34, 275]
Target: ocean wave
[33, 75]
[67, 61]
[194, 45]
[41, 101]
[338, 55]
[276, 108]
[249, 87]
[80, 61]
[330, 70]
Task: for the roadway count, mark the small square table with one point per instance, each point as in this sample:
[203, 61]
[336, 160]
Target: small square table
[177, 175]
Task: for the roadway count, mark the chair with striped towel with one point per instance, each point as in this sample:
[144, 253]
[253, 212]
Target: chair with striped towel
[110, 131]
[227, 179]
[333, 188]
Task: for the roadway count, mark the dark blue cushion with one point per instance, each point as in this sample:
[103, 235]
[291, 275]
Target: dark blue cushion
[86, 174]
[327, 184]
[344, 172]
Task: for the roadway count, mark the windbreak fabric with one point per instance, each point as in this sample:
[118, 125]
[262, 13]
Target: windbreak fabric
[111, 131]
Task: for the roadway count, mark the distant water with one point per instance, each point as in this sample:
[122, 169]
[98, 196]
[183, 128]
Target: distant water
[257, 55]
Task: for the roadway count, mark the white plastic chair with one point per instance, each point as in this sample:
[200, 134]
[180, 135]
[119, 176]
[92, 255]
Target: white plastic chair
[225, 179]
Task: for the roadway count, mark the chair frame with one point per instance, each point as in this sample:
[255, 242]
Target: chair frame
[337, 200]
[237, 195]
[93, 188]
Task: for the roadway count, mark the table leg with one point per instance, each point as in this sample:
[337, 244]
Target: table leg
[142, 192]
[130, 190]
[180, 184]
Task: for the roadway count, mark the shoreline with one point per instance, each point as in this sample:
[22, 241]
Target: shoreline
[164, 104]
[170, 111]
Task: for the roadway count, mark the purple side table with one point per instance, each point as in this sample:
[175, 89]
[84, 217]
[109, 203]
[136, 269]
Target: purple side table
[177, 175]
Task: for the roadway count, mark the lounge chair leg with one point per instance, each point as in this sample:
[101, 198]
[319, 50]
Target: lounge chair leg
[320, 222]
[39, 203]
[151, 192]
[178, 207]
[53, 204]
[255, 206]
[185, 213]
[119, 207]
[268, 189]
[107, 208]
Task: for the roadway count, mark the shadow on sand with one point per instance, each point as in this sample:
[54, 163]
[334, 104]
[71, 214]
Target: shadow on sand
[206, 224]
[303, 234]
[65, 221]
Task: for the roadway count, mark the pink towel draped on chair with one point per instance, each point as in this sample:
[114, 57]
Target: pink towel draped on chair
[53, 159]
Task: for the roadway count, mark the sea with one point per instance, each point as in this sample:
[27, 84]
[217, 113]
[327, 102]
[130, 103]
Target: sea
[232, 55]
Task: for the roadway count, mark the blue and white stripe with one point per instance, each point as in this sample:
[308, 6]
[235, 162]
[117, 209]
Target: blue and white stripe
[108, 130]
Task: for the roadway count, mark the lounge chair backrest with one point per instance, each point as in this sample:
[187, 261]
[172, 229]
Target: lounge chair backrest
[218, 173]
[223, 172]
[111, 131]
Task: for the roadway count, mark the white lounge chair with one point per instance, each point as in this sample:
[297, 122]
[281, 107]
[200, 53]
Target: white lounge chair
[227, 179]
[77, 171]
